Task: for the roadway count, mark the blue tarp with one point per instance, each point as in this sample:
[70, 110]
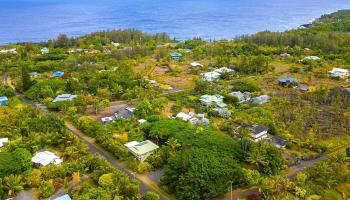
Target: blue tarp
[57, 74]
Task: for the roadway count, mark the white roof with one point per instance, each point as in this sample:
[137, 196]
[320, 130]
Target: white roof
[45, 158]
[210, 76]
[339, 70]
[130, 109]
[131, 144]
[312, 58]
[196, 64]
[223, 70]
[183, 116]
[3, 140]
[64, 97]
[106, 119]
[141, 121]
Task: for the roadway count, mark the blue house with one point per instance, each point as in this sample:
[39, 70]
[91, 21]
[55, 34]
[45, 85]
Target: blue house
[287, 81]
[57, 74]
[175, 55]
[3, 101]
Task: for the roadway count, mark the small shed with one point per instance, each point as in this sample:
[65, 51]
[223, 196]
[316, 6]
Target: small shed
[278, 141]
[287, 81]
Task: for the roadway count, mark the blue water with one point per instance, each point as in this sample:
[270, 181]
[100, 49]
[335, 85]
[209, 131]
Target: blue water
[37, 20]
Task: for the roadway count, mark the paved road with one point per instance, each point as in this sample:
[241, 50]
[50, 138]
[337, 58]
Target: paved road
[94, 148]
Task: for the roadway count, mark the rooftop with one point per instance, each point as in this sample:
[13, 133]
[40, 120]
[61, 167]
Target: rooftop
[143, 147]
[45, 158]
[64, 97]
[287, 80]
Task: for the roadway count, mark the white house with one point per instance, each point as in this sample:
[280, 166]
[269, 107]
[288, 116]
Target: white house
[195, 65]
[141, 150]
[210, 76]
[339, 72]
[3, 141]
[213, 100]
[64, 97]
[44, 158]
[242, 97]
[258, 132]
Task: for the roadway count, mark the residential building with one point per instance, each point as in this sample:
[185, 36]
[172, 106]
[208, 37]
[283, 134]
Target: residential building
[223, 112]
[64, 97]
[195, 65]
[260, 99]
[175, 55]
[6, 51]
[339, 72]
[57, 74]
[278, 141]
[44, 50]
[3, 100]
[141, 150]
[3, 141]
[257, 132]
[124, 113]
[223, 70]
[242, 97]
[44, 158]
[210, 76]
[287, 81]
[213, 100]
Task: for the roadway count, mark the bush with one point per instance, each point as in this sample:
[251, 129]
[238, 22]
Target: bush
[150, 196]
[144, 167]
[46, 189]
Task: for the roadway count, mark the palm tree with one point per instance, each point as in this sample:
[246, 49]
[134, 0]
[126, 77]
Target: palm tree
[13, 184]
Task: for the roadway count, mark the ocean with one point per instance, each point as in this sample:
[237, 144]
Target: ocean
[39, 20]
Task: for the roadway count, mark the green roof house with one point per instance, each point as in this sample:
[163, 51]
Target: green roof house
[175, 55]
[213, 100]
[141, 150]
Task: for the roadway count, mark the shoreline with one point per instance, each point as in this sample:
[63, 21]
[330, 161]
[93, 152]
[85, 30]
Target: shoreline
[300, 26]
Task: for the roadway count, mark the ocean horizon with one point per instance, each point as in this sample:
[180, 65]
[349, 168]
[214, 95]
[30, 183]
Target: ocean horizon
[41, 20]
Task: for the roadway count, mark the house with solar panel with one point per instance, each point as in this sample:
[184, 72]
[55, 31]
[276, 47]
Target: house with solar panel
[141, 150]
